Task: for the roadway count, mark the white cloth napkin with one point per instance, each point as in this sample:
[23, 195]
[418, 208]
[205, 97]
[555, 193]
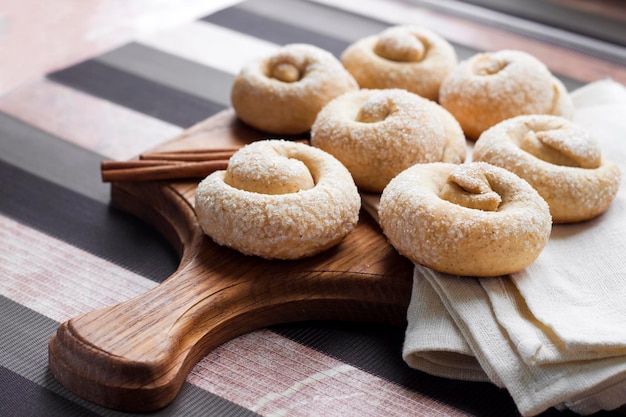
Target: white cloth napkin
[554, 334]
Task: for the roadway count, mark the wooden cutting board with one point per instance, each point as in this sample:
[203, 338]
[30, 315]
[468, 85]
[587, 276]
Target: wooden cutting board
[135, 356]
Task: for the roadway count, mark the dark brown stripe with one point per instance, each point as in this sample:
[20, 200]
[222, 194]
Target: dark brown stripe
[178, 73]
[273, 30]
[85, 223]
[137, 93]
[564, 16]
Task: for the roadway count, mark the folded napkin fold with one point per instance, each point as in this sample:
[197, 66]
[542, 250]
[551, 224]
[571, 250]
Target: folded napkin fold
[554, 334]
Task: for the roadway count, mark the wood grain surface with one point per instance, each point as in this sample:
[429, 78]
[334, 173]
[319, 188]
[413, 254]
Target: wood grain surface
[134, 356]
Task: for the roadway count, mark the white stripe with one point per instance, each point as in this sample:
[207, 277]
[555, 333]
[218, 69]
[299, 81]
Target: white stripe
[56, 279]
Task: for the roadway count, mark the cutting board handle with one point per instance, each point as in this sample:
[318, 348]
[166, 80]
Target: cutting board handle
[135, 355]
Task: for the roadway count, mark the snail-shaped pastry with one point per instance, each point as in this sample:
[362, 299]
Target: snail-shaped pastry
[283, 93]
[559, 159]
[471, 219]
[378, 133]
[278, 200]
[491, 87]
[407, 57]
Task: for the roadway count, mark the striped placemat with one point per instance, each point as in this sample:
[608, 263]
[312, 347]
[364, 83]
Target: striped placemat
[64, 251]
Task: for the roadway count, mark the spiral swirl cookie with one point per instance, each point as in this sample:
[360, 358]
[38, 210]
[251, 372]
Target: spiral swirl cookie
[408, 57]
[378, 133]
[491, 87]
[278, 200]
[472, 219]
[558, 158]
[284, 92]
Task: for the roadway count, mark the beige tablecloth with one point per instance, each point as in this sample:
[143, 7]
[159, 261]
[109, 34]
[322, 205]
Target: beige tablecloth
[554, 334]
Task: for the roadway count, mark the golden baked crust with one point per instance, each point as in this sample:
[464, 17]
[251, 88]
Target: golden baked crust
[408, 57]
[490, 87]
[378, 133]
[283, 93]
[558, 158]
[471, 219]
[278, 200]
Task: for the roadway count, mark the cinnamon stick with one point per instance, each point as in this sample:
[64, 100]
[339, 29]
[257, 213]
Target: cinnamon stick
[170, 165]
[188, 156]
[231, 149]
[158, 170]
[133, 164]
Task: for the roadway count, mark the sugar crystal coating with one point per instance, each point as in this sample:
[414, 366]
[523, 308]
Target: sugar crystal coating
[408, 57]
[378, 133]
[571, 175]
[456, 239]
[283, 93]
[285, 225]
[490, 87]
